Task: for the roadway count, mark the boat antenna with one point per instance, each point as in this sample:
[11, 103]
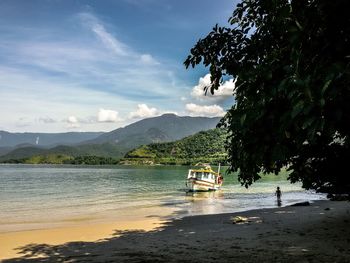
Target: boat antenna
[219, 169]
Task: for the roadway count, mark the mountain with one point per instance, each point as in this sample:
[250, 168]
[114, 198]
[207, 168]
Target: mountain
[204, 147]
[8, 139]
[5, 150]
[165, 128]
[103, 150]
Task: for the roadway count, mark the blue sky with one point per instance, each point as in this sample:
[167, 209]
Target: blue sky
[78, 65]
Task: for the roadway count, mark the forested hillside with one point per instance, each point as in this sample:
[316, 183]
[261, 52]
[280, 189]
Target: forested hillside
[205, 146]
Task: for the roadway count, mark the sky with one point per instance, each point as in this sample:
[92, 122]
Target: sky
[75, 65]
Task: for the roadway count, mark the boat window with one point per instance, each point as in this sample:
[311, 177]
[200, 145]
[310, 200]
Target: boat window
[198, 174]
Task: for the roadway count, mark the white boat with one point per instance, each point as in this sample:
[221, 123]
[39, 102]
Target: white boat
[203, 179]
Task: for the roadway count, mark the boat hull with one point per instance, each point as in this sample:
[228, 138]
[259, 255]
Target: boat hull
[194, 185]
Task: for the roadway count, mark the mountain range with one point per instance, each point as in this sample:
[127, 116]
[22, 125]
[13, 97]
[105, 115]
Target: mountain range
[165, 128]
[8, 139]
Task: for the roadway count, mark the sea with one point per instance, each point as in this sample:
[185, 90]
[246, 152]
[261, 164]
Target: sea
[44, 196]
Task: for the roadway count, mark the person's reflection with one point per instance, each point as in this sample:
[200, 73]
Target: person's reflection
[278, 195]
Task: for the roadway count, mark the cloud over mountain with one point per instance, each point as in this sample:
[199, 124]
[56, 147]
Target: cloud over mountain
[205, 111]
[143, 111]
[108, 116]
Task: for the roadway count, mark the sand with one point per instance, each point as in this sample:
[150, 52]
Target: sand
[316, 233]
[9, 242]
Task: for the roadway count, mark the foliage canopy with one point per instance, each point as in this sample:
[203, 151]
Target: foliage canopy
[292, 95]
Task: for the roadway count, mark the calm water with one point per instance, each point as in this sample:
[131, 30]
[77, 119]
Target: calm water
[35, 196]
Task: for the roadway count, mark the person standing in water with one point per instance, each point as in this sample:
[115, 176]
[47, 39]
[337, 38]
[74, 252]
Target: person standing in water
[278, 194]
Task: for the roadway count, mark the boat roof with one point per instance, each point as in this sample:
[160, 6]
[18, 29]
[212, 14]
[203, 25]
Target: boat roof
[205, 170]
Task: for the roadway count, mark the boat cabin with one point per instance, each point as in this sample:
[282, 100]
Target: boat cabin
[202, 175]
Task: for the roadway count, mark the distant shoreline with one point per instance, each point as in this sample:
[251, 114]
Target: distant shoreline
[99, 165]
[116, 162]
[95, 165]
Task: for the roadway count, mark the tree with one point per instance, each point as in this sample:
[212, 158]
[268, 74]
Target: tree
[292, 95]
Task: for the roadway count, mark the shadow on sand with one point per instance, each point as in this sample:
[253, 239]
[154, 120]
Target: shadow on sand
[124, 246]
[315, 233]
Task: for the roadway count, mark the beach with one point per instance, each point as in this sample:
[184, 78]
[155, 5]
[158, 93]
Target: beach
[316, 233]
[80, 231]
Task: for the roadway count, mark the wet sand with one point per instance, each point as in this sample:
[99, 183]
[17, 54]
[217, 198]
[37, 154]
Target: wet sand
[316, 233]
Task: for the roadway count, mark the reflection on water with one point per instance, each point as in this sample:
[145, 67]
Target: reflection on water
[279, 202]
[192, 196]
[204, 202]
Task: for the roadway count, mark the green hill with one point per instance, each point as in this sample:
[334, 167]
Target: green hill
[81, 154]
[205, 146]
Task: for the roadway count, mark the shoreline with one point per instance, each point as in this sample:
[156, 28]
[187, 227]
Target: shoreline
[319, 232]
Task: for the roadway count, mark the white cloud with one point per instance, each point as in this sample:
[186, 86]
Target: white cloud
[107, 39]
[112, 43]
[148, 59]
[225, 90]
[73, 122]
[206, 111]
[143, 111]
[72, 119]
[108, 116]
